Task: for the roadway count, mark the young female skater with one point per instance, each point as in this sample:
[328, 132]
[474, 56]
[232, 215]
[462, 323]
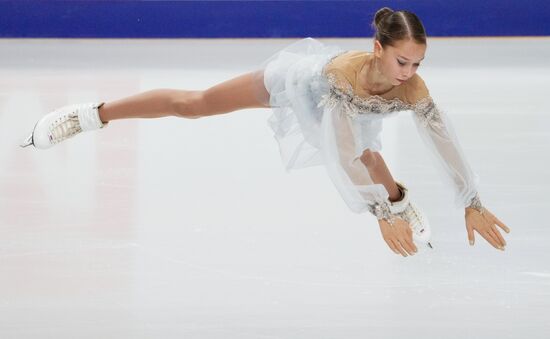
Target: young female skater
[328, 105]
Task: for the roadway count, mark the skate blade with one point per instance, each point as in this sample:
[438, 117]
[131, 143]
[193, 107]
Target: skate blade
[27, 142]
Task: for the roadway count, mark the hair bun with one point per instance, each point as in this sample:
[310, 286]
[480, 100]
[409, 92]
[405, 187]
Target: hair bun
[380, 15]
[391, 26]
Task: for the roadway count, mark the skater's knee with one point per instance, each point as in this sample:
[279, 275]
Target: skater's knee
[188, 104]
[369, 158]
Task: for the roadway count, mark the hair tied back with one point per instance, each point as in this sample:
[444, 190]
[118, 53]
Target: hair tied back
[380, 15]
[404, 25]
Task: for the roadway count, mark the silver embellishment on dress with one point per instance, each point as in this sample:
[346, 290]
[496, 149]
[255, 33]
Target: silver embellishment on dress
[375, 105]
[355, 105]
[476, 204]
[428, 113]
[381, 210]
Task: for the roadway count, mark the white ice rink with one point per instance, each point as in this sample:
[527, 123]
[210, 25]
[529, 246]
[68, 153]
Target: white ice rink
[175, 228]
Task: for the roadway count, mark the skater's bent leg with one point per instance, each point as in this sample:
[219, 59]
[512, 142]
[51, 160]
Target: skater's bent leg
[379, 173]
[244, 91]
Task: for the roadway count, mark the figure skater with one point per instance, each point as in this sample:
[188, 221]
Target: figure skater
[328, 105]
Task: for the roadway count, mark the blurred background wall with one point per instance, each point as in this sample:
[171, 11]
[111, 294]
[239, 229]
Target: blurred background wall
[262, 19]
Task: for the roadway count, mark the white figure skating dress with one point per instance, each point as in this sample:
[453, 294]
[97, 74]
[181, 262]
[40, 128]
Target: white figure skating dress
[318, 119]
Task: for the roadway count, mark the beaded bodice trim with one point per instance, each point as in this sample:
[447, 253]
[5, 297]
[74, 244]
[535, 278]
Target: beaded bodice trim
[375, 105]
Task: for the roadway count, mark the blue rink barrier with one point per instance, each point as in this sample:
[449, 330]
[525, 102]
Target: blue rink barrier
[262, 19]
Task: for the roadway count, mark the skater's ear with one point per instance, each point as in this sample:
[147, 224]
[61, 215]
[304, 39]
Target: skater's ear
[378, 49]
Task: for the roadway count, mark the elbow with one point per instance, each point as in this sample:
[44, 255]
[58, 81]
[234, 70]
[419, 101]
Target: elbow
[369, 158]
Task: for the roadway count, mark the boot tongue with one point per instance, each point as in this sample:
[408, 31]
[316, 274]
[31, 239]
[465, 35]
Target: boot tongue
[88, 116]
[399, 206]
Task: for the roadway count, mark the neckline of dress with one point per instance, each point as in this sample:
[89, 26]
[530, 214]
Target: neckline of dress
[376, 97]
[365, 100]
[361, 99]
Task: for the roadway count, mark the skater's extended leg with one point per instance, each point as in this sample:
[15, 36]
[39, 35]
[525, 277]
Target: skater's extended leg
[155, 103]
[244, 91]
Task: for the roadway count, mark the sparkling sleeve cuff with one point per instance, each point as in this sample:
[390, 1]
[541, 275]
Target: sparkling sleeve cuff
[475, 203]
[381, 210]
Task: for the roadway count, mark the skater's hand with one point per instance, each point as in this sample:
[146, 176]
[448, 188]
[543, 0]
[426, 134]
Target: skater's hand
[398, 236]
[484, 223]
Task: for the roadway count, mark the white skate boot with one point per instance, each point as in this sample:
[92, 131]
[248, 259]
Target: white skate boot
[411, 214]
[64, 123]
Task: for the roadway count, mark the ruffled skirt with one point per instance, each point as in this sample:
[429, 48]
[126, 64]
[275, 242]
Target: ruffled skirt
[293, 77]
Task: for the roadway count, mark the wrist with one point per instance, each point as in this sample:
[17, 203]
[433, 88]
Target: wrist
[381, 210]
[475, 204]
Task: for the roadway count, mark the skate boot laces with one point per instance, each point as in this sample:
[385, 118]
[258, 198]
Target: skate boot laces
[64, 127]
[415, 218]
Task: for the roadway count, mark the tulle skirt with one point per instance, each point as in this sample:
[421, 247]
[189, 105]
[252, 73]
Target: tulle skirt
[293, 77]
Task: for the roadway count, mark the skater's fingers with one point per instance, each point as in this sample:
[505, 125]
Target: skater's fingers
[498, 236]
[408, 244]
[405, 238]
[392, 246]
[495, 241]
[471, 237]
[489, 237]
[501, 225]
[400, 248]
[497, 221]
[504, 227]
[411, 242]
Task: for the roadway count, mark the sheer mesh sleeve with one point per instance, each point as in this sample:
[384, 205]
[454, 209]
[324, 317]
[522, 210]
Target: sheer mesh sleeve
[341, 149]
[437, 133]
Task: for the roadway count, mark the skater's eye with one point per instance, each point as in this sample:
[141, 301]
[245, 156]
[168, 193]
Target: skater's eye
[402, 63]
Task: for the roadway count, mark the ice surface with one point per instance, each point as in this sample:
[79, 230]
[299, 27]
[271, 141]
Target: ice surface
[175, 228]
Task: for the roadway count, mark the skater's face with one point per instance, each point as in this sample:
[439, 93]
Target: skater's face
[399, 63]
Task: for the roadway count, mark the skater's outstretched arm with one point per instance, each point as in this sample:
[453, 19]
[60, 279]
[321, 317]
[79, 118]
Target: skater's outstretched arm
[352, 175]
[438, 134]
[380, 174]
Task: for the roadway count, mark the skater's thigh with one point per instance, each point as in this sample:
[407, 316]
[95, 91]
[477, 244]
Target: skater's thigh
[244, 91]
